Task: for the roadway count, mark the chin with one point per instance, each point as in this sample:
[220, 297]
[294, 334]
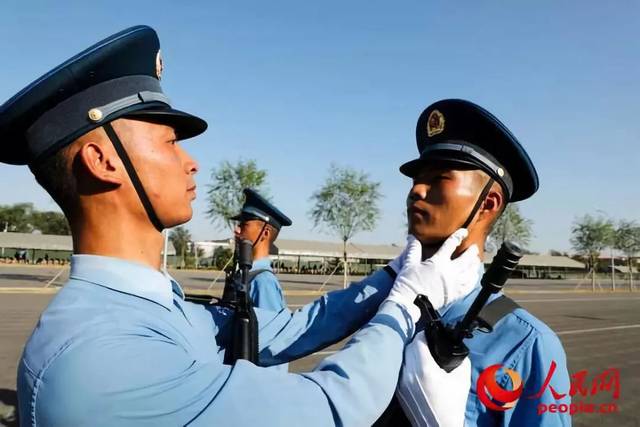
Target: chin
[425, 235]
[178, 218]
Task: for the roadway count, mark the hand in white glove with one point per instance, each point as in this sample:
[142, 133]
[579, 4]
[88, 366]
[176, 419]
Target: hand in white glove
[428, 394]
[397, 262]
[439, 278]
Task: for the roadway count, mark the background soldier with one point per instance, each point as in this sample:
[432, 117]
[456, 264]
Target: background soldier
[260, 222]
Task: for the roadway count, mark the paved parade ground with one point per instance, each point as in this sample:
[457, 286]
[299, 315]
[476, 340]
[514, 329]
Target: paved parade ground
[599, 331]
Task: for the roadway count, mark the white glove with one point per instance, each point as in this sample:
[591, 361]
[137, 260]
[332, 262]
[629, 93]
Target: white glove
[428, 394]
[439, 278]
[397, 262]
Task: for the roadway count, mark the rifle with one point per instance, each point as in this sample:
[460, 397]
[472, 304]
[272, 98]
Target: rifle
[229, 296]
[244, 339]
[445, 343]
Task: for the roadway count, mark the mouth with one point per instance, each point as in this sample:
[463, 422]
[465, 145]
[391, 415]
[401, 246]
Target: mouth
[414, 210]
[192, 190]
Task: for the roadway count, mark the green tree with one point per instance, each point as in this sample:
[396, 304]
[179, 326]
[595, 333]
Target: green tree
[221, 256]
[346, 204]
[16, 218]
[627, 240]
[224, 194]
[180, 238]
[50, 223]
[589, 237]
[512, 226]
[24, 218]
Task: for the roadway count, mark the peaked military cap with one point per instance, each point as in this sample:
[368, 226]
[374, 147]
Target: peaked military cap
[117, 77]
[459, 131]
[257, 207]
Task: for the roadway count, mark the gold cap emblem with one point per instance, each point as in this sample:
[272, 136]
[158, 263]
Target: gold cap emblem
[95, 115]
[435, 123]
[159, 65]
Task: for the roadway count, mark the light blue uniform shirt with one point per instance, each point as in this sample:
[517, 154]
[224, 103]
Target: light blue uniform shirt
[525, 344]
[119, 346]
[266, 292]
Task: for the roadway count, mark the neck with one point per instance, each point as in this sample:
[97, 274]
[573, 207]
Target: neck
[260, 250]
[468, 242]
[474, 238]
[108, 231]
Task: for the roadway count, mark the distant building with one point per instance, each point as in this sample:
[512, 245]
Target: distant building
[208, 247]
[305, 256]
[42, 247]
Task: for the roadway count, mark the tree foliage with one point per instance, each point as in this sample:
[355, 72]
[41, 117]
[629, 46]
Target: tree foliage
[224, 194]
[512, 226]
[16, 218]
[627, 238]
[50, 223]
[24, 218]
[347, 203]
[590, 235]
[180, 238]
[220, 257]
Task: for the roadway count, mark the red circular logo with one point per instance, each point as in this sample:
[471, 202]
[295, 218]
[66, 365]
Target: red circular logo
[492, 395]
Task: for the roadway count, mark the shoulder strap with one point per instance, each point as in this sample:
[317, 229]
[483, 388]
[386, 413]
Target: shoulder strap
[496, 310]
[254, 273]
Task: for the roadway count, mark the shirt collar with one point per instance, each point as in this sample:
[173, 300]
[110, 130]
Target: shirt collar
[262, 263]
[127, 277]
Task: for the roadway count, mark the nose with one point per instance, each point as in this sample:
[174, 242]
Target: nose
[417, 192]
[190, 164]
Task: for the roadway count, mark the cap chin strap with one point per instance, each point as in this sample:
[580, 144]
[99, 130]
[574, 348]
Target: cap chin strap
[259, 235]
[133, 175]
[483, 195]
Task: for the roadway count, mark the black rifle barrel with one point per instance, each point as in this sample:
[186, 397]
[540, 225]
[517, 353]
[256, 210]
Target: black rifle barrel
[245, 254]
[245, 335]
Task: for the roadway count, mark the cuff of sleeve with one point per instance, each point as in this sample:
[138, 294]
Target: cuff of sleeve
[395, 265]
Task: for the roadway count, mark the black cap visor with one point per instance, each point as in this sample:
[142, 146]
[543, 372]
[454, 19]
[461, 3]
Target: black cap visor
[185, 125]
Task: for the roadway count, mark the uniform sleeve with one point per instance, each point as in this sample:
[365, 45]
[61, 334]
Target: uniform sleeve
[286, 336]
[534, 410]
[142, 378]
[266, 292]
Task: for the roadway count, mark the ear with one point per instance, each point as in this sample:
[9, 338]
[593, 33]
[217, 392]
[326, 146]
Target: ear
[492, 205]
[266, 234]
[101, 162]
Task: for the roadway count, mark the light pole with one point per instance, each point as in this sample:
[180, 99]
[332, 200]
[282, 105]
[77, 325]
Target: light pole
[613, 265]
[613, 272]
[164, 252]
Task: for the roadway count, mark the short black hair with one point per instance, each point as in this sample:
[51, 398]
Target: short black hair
[54, 174]
[273, 233]
[503, 191]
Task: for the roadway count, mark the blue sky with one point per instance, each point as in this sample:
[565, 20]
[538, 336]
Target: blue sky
[299, 85]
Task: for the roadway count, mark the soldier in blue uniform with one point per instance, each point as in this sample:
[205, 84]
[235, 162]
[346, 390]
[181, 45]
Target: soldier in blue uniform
[118, 344]
[260, 222]
[470, 167]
